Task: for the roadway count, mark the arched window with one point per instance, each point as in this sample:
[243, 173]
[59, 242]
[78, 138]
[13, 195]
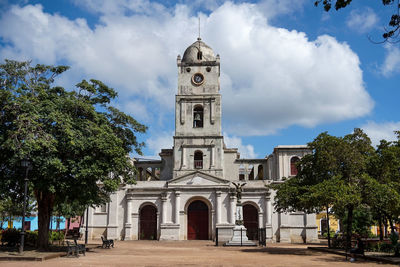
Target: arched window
[198, 116]
[198, 160]
[293, 167]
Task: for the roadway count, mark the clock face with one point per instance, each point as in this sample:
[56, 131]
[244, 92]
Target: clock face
[198, 78]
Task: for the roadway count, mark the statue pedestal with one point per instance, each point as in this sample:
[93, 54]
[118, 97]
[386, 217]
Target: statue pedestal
[239, 237]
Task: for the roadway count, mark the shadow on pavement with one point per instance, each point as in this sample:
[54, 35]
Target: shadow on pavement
[283, 251]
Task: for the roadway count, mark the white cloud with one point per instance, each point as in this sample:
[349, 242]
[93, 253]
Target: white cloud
[159, 141]
[135, 108]
[246, 151]
[378, 131]
[391, 65]
[362, 20]
[271, 78]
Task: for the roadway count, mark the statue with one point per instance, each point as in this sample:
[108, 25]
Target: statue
[239, 190]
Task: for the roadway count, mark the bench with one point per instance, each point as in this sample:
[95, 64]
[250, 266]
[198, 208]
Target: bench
[80, 247]
[72, 249]
[107, 243]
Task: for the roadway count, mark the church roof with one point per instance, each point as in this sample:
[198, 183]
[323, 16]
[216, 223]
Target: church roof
[192, 54]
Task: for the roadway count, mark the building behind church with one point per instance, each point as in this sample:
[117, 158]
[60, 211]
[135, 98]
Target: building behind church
[188, 194]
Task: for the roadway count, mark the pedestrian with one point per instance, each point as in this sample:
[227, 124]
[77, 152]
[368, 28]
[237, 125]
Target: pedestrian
[358, 249]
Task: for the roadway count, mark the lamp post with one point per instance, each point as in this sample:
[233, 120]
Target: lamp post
[87, 225]
[25, 163]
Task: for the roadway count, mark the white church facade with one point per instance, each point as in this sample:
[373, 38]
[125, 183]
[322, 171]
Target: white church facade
[188, 194]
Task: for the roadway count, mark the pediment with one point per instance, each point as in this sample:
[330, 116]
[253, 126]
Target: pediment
[198, 179]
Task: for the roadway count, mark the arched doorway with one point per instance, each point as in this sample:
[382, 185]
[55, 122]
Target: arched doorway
[197, 216]
[148, 223]
[250, 221]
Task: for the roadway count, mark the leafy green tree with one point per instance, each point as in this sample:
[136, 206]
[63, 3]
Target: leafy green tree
[333, 176]
[362, 219]
[77, 142]
[390, 34]
[383, 193]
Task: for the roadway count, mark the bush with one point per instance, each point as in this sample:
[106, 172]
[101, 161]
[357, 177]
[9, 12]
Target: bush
[339, 241]
[332, 234]
[56, 236]
[11, 236]
[31, 238]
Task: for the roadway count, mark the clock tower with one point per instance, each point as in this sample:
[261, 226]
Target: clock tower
[198, 141]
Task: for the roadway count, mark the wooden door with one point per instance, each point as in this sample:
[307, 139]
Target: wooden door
[250, 221]
[148, 223]
[198, 221]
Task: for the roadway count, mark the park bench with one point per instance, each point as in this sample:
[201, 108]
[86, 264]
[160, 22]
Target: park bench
[107, 243]
[80, 247]
[72, 249]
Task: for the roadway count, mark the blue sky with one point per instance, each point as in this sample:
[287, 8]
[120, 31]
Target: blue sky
[289, 70]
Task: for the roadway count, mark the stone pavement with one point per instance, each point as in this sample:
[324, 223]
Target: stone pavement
[198, 253]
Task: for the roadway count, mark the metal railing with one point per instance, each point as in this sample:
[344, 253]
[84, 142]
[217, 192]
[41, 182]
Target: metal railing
[262, 237]
[198, 164]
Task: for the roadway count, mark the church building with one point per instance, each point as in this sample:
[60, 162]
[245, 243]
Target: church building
[189, 194]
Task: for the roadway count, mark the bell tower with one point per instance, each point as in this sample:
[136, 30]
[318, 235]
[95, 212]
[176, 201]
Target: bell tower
[198, 141]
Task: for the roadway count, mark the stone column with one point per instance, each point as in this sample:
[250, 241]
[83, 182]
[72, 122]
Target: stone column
[212, 157]
[135, 226]
[182, 113]
[260, 219]
[128, 222]
[232, 206]
[177, 206]
[219, 206]
[268, 211]
[164, 208]
[153, 173]
[212, 104]
[183, 157]
[268, 218]
[246, 172]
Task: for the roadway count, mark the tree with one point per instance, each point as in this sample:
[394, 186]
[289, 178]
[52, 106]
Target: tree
[391, 34]
[77, 142]
[69, 209]
[332, 176]
[383, 195]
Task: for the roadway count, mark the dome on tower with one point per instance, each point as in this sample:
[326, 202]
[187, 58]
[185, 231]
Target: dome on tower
[198, 52]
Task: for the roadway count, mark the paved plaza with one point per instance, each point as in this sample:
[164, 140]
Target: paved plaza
[198, 253]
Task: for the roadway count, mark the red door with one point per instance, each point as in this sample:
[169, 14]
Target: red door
[197, 221]
[148, 223]
[250, 221]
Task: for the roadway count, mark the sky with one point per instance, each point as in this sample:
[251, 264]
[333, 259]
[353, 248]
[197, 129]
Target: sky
[289, 70]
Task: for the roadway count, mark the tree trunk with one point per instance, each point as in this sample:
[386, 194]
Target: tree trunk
[329, 230]
[45, 202]
[67, 228]
[385, 224]
[391, 223]
[349, 227]
[380, 228]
